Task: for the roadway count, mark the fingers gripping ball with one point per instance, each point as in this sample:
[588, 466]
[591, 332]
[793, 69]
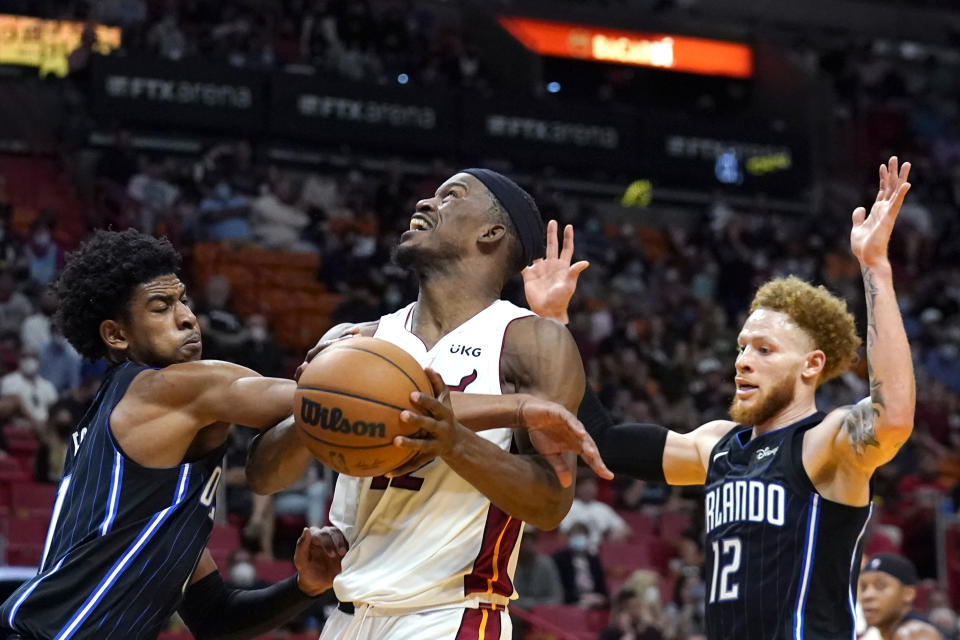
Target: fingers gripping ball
[348, 403]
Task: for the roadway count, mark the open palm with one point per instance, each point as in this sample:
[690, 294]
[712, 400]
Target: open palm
[550, 281]
[870, 235]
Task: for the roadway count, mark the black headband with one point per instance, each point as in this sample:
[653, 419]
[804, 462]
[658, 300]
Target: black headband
[521, 209]
[894, 565]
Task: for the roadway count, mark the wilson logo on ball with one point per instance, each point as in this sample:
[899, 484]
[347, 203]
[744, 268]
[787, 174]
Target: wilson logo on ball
[332, 419]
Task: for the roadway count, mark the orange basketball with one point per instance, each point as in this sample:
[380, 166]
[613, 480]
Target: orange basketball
[348, 403]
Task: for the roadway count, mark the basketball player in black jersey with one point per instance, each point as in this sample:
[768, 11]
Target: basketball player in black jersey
[787, 487]
[125, 545]
[887, 590]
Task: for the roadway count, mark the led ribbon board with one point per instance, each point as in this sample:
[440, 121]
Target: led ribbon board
[46, 44]
[659, 51]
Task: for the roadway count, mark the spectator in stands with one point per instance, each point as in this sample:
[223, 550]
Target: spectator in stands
[920, 494]
[167, 38]
[601, 521]
[254, 510]
[276, 220]
[306, 498]
[887, 590]
[60, 363]
[536, 580]
[54, 442]
[35, 393]
[44, 256]
[223, 331]
[78, 62]
[14, 305]
[35, 331]
[154, 194]
[241, 572]
[234, 162]
[684, 614]
[630, 619]
[260, 351]
[11, 246]
[9, 351]
[581, 574]
[224, 214]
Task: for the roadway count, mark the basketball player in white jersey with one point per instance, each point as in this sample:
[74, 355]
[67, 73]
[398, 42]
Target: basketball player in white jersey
[432, 553]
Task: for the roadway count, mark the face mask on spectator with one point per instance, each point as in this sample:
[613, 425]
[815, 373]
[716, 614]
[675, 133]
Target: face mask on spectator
[243, 574]
[41, 238]
[579, 542]
[29, 366]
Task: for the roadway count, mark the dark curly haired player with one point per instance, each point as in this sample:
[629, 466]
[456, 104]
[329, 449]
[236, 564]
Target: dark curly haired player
[125, 546]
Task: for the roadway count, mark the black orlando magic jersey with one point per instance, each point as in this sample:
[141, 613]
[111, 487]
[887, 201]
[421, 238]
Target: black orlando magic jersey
[782, 561]
[123, 539]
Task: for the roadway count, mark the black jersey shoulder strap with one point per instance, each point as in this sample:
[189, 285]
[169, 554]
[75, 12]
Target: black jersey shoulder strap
[793, 453]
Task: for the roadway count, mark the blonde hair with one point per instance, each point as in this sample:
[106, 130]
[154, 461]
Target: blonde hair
[821, 314]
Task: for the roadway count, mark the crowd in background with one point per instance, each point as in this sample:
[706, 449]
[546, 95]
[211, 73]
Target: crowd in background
[656, 315]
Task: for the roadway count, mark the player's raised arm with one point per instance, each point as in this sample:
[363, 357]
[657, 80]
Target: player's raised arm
[873, 430]
[646, 451]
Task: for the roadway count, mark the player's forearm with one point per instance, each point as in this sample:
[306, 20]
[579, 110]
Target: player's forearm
[523, 486]
[635, 450]
[479, 412]
[214, 612]
[256, 402]
[889, 362]
[277, 459]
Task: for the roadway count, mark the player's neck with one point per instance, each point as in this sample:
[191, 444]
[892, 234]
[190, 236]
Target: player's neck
[444, 304]
[794, 412]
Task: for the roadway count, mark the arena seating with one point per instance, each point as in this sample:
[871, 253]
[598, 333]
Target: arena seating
[279, 284]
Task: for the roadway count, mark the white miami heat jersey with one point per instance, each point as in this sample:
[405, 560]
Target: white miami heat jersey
[430, 539]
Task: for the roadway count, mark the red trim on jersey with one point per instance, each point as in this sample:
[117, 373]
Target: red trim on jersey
[480, 624]
[490, 569]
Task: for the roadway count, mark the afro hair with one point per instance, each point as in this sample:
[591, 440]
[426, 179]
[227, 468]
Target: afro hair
[821, 314]
[98, 281]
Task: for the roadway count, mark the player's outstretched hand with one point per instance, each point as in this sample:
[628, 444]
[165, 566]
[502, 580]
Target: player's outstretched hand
[325, 342]
[554, 430]
[550, 281]
[870, 235]
[317, 558]
[437, 430]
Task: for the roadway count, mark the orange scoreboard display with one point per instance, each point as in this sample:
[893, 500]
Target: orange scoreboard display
[660, 51]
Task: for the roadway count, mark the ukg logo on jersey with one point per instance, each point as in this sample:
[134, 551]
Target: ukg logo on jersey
[332, 419]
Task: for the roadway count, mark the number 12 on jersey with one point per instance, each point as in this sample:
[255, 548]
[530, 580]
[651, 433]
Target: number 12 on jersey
[728, 551]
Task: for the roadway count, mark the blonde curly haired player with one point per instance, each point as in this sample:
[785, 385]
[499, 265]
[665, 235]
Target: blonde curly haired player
[787, 487]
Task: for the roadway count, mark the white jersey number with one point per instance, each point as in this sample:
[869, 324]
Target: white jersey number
[728, 549]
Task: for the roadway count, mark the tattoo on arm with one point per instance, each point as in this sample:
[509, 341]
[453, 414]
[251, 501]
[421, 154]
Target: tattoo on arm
[859, 425]
[861, 417]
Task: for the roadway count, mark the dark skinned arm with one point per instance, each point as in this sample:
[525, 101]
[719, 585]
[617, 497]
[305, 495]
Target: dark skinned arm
[165, 410]
[278, 458]
[540, 358]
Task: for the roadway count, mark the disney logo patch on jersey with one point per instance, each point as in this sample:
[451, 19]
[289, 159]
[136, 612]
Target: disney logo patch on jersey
[766, 452]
